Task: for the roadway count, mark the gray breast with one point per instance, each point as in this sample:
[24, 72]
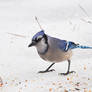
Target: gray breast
[56, 53]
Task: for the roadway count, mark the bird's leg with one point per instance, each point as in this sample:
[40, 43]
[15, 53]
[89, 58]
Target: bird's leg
[48, 69]
[68, 71]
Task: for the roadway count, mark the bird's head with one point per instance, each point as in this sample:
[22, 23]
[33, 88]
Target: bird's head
[39, 37]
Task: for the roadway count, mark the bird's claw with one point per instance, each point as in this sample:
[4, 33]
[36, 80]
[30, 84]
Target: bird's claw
[67, 73]
[46, 71]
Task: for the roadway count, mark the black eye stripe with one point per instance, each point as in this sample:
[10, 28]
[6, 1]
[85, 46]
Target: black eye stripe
[37, 40]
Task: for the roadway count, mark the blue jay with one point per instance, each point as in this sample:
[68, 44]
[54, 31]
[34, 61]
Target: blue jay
[54, 50]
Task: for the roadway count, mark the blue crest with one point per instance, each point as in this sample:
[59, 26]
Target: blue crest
[38, 34]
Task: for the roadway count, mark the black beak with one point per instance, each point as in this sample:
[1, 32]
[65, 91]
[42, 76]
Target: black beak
[32, 44]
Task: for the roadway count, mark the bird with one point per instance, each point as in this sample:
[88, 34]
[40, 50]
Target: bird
[54, 50]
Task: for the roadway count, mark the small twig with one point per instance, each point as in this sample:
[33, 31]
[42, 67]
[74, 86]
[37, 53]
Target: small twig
[83, 10]
[17, 35]
[38, 23]
[87, 21]
[90, 22]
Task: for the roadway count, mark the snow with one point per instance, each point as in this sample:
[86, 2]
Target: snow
[65, 19]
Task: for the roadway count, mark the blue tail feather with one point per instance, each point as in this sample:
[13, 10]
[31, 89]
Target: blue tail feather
[72, 45]
[83, 47]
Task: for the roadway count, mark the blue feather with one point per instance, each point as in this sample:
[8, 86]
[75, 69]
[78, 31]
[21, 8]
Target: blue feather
[83, 47]
[71, 45]
[38, 34]
[65, 46]
[61, 44]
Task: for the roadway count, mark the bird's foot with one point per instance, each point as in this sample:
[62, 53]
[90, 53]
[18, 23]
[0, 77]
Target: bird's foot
[46, 71]
[67, 73]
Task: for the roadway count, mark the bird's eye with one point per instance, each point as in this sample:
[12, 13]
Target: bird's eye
[39, 37]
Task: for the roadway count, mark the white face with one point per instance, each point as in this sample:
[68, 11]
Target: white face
[41, 43]
[41, 46]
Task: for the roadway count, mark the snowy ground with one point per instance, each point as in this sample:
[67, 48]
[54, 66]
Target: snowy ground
[65, 19]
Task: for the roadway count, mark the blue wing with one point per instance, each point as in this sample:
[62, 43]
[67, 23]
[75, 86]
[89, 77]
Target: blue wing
[67, 45]
[63, 44]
